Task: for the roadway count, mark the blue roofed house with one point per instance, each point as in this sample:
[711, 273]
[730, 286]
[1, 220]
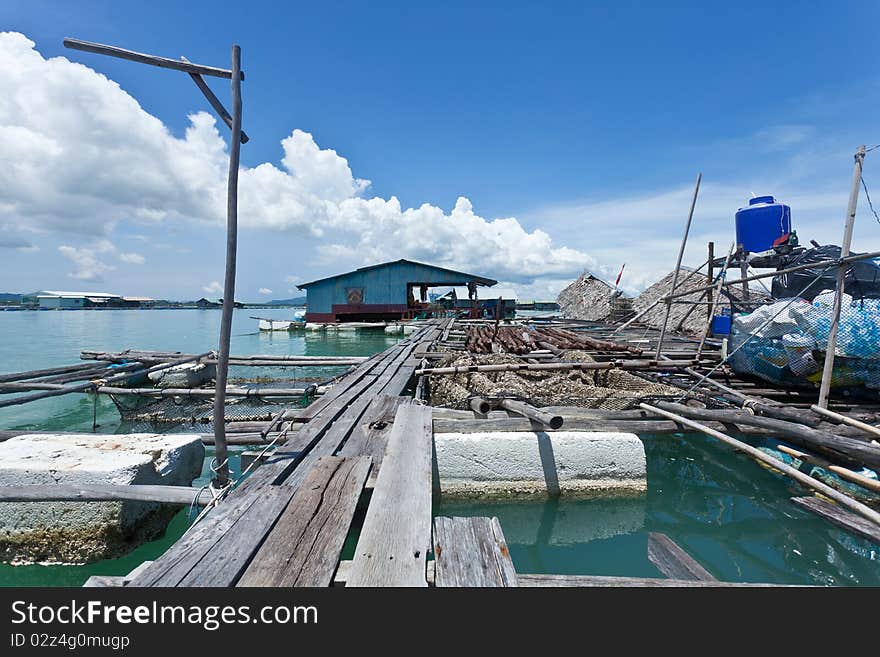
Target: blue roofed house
[387, 291]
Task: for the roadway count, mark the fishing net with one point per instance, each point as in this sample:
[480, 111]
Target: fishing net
[785, 343]
[612, 389]
[175, 412]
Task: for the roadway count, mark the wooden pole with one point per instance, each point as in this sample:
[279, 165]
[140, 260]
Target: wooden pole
[710, 276]
[527, 410]
[214, 101]
[143, 58]
[715, 301]
[653, 304]
[684, 240]
[81, 387]
[828, 367]
[843, 473]
[837, 417]
[221, 458]
[778, 272]
[844, 500]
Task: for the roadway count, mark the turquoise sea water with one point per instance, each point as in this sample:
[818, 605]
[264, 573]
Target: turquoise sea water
[35, 340]
[731, 514]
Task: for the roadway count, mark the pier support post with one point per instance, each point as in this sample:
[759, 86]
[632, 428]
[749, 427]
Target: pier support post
[222, 459]
[828, 367]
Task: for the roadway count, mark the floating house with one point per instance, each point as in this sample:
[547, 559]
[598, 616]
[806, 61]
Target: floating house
[63, 300]
[387, 291]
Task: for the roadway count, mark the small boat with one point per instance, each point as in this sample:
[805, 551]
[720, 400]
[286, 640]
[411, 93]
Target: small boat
[297, 322]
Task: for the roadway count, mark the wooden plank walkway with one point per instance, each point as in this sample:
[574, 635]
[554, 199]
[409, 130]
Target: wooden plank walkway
[222, 547]
[471, 552]
[303, 547]
[396, 537]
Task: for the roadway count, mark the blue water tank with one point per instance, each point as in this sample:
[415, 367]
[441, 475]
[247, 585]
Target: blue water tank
[760, 224]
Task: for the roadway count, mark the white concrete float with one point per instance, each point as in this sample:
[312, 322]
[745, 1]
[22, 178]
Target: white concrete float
[187, 375]
[498, 465]
[80, 532]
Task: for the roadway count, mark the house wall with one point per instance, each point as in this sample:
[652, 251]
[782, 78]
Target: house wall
[383, 286]
[61, 302]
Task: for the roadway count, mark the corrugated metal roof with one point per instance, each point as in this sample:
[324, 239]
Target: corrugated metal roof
[482, 280]
[57, 293]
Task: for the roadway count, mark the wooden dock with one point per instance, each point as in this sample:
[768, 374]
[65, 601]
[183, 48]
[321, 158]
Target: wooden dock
[356, 465]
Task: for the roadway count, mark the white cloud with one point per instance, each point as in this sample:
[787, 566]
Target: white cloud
[264, 290]
[131, 168]
[213, 287]
[87, 266]
[132, 258]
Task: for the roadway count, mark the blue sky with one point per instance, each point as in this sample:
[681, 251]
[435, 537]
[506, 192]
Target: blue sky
[580, 126]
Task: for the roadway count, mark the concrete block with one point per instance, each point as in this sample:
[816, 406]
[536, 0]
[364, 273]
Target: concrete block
[80, 532]
[510, 464]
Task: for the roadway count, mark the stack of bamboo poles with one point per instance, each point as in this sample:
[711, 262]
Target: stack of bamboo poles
[522, 340]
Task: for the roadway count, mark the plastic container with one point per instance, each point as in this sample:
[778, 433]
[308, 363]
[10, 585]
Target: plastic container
[721, 324]
[760, 224]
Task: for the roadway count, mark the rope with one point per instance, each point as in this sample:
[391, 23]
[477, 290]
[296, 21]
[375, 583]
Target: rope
[752, 335]
[868, 196]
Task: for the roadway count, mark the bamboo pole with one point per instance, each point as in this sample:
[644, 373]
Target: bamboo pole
[846, 420]
[843, 473]
[527, 410]
[550, 367]
[36, 374]
[715, 301]
[828, 366]
[221, 458]
[479, 405]
[788, 270]
[655, 303]
[844, 500]
[684, 240]
[849, 449]
[81, 387]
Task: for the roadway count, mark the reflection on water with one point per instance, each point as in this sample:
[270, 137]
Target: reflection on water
[730, 514]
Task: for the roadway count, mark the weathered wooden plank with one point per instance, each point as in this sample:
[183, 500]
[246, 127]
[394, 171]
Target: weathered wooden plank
[304, 546]
[352, 413]
[227, 560]
[396, 536]
[471, 552]
[840, 517]
[673, 561]
[603, 581]
[370, 436]
[103, 493]
[174, 564]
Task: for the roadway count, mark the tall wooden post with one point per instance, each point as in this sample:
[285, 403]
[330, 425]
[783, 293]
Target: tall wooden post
[828, 367]
[710, 274]
[222, 455]
[687, 229]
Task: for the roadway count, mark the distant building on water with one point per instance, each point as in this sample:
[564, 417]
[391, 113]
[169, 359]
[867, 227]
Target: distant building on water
[387, 291]
[63, 300]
